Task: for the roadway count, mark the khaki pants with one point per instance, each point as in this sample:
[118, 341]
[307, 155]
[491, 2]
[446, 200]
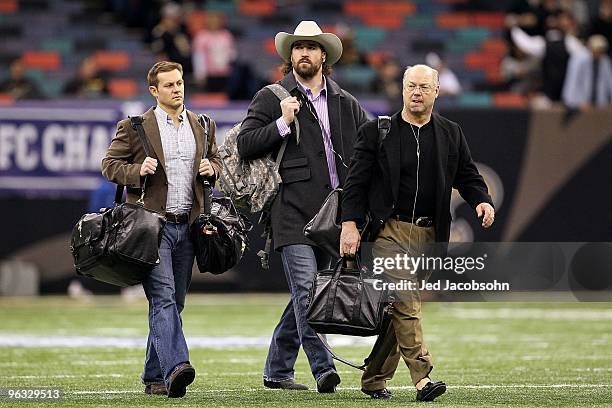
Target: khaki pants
[404, 337]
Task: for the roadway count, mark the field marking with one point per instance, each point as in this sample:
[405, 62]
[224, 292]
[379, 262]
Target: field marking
[403, 387]
[10, 340]
[530, 314]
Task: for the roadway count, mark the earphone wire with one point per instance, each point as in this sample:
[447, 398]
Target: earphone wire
[417, 136]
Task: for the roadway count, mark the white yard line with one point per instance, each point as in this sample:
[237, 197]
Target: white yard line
[530, 313]
[10, 340]
[451, 387]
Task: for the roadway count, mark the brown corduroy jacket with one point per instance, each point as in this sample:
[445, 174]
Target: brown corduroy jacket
[126, 154]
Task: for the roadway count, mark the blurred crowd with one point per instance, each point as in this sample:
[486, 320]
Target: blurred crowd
[558, 52]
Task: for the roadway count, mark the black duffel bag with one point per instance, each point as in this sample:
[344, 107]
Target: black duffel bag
[219, 234]
[343, 300]
[119, 245]
[325, 227]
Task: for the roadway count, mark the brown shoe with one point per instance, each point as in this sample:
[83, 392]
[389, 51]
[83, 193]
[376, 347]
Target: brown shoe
[181, 377]
[156, 389]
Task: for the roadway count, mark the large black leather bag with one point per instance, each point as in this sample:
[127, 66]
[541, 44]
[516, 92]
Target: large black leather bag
[343, 300]
[219, 234]
[119, 245]
[324, 228]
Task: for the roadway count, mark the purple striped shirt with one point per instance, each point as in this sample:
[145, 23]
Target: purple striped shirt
[320, 105]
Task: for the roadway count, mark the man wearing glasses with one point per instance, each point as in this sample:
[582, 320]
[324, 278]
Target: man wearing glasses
[405, 184]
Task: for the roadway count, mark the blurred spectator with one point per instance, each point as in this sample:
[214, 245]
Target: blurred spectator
[213, 53]
[602, 23]
[554, 50]
[89, 82]
[449, 84]
[169, 40]
[579, 9]
[520, 72]
[350, 53]
[525, 15]
[589, 77]
[388, 83]
[18, 86]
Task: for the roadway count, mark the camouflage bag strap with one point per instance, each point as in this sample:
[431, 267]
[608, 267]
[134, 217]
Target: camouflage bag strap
[281, 93]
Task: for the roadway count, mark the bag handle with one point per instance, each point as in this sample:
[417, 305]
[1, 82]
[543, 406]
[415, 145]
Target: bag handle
[331, 294]
[137, 125]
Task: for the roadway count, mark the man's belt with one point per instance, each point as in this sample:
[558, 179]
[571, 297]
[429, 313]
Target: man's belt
[418, 221]
[177, 218]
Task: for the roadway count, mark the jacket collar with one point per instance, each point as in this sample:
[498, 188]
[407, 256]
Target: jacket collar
[290, 83]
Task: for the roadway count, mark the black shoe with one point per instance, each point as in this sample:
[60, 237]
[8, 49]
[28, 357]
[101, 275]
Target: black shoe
[181, 377]
[378, 394]
[156, 389]
[327, 383]
[289, 384]
[431, 391]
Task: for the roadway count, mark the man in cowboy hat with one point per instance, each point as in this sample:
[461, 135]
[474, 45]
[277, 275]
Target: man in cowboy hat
[310, 169]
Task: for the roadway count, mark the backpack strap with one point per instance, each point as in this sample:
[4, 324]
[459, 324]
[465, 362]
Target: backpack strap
[384, 126]
[264, 255]
[281, 93]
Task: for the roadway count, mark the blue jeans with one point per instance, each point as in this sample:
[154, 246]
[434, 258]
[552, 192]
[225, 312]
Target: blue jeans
[300, 263]
[166, 287]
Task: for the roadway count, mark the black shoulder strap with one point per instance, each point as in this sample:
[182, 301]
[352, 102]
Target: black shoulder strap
[384, 125]
[205, 122]
[368, 359]
[137, 126]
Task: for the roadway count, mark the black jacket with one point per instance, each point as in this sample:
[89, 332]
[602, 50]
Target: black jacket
[304, 169]
[374, 177]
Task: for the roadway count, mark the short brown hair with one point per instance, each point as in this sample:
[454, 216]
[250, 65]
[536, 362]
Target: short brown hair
[162, 66]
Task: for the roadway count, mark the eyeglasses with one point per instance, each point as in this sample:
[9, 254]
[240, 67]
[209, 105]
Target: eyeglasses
[425, 89]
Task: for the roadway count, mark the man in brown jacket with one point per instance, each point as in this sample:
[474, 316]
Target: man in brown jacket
[181, 158]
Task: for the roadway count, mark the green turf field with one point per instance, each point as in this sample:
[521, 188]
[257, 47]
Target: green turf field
[490, 354]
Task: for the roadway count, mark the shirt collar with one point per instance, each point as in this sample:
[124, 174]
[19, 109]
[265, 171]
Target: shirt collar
[164, 116]
[307, 90]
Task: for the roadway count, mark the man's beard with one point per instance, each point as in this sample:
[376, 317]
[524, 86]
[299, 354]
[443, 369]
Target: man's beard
[308, 72]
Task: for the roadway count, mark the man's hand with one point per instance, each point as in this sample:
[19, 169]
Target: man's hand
[290, 107]
[206, 169]
[349, 239]
[487, 212]
[149, 165]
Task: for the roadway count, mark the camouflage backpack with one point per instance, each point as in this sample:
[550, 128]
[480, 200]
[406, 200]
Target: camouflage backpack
[252, 184]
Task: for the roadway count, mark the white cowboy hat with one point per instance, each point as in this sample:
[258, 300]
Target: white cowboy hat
[309, 31]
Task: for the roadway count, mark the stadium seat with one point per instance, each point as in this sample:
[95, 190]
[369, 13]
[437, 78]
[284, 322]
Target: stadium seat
[6, 99]
[113, 60]
[216, 99]
[257, 7]
[43, 60]
[8, 6]
[509, 100]
[122, 88]
[453, 20]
